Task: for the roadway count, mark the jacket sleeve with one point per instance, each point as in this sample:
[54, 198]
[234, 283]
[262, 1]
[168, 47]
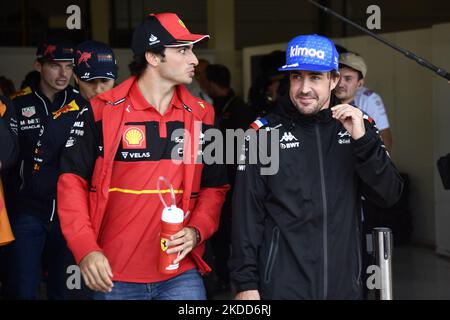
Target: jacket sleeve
[8, 134]
[247, 222]
[213, 189]
[77, 164]
[381, 181]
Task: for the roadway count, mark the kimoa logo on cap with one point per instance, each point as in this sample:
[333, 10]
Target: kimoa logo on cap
[309, 52]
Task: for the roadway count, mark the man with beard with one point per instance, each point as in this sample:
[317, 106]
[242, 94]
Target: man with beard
[32, 209]
[350, 89]
[296, 233]
[111, 173]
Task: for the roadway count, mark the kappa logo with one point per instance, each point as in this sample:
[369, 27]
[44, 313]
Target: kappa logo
[134, 137]
[342, 137]
[29, 111]
[153, 40]
[85, 75]
[288, 137]
[307, 52]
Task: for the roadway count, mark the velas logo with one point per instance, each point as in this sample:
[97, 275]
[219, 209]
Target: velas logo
[49, 50]
[306, 52]
[72, 106]
[84, 57]
[134, 137]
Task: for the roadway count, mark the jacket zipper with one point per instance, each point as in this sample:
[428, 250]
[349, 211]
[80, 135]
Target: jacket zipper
[43, 101]
[325, 215]
[272, 254]
[358, 242]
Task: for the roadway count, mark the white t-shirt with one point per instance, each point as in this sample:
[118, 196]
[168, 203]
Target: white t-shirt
[372, 104]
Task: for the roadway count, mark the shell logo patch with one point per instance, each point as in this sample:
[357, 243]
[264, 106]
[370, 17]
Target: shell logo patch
[134, 137]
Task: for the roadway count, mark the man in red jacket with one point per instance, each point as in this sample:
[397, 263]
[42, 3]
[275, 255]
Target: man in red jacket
[109, 203]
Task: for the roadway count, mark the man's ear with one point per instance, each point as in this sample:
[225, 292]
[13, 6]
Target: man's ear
[37, 66]
[77, 81]
[360, 83]
[152, 58]
[335, 81]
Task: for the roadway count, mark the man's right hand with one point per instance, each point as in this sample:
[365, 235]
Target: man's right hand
[97, 272]
[248, 295]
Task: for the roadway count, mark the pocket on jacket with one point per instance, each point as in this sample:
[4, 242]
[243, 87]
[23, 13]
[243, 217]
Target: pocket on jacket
[273, 251]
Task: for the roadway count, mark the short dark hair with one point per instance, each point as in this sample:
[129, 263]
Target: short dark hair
[334, 74]
[219, 74]
[139, 63]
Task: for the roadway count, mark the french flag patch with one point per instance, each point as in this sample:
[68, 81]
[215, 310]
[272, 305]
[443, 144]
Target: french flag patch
[365, 116]
[257, 124]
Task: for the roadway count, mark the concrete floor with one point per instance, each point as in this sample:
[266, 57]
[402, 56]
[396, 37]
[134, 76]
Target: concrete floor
[418, 274]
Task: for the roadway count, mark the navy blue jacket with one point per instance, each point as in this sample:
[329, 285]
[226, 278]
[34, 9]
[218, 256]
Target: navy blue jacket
[43, 126]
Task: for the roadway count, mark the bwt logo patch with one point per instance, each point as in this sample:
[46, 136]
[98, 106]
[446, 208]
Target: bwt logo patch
[307, 52]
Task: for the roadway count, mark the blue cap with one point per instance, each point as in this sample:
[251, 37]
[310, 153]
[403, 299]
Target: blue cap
[95, 60]
[311, 53]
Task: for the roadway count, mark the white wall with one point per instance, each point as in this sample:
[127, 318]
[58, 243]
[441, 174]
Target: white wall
[407, 91]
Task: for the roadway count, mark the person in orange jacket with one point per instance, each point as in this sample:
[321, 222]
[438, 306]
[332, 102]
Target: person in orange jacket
[8, 154]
